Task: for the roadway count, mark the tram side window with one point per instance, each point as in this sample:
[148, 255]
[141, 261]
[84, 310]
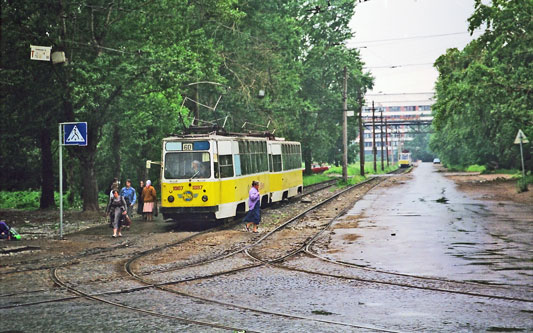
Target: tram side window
[292, 158]
[276, 163]
[253, 157]
[226, 166]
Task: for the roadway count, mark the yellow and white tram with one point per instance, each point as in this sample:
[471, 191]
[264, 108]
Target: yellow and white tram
[405, 159]
[210, 174]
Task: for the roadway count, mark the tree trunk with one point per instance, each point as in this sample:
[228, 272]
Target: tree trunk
[308, 159]
[89, 187]
[47, 170]
[116, 152]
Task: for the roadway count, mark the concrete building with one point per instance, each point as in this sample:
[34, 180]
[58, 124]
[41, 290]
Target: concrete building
[404, 118]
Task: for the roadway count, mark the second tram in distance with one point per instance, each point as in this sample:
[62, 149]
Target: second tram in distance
[210, 175]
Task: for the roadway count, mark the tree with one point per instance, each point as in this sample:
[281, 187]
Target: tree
[484, 91]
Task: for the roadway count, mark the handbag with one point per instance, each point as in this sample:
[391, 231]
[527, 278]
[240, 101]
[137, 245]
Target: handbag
[127, 220]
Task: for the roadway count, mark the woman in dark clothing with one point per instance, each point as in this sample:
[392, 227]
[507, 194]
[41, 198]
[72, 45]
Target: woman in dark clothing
[116, 208]
[140, 202]
[254, 214]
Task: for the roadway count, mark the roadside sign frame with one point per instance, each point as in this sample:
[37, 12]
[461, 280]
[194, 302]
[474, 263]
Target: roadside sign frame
[61, 141]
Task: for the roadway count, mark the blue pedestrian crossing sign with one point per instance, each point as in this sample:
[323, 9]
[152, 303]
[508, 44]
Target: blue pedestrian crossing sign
[75, 134]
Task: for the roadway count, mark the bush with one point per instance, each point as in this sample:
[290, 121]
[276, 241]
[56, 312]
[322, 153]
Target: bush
[521, 185]
[30, 200]
[476, 168]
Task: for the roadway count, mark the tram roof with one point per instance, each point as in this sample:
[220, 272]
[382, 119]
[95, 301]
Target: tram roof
[230, 136]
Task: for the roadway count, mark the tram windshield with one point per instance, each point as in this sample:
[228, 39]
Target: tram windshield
[187, 165]
[404, 156]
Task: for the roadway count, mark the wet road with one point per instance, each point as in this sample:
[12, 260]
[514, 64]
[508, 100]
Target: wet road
[425, 226]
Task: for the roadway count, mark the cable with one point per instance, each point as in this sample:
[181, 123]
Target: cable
[413, 37]
[398, 66]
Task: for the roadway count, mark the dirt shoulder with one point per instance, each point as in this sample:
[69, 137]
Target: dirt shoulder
[495, 187]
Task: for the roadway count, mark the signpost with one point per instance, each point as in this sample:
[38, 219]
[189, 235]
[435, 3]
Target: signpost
[70, 134]
[521, 138]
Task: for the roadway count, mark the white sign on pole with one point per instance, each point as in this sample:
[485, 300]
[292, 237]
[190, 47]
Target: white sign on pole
[349, 113]
[520, 138]
[40, 52]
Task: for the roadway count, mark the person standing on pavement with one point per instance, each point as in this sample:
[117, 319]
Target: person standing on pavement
[140, 201]
[254, 214]
[115, 209]
[149, 200]
[130, 196]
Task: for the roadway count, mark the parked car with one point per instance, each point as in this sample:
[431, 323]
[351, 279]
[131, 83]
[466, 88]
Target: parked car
[436, 161]
[315, 168]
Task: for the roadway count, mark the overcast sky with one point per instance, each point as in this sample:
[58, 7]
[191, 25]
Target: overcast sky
[378, 20]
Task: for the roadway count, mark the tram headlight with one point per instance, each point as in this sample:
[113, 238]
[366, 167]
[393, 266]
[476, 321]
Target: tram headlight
[204, 198]
[170, 198]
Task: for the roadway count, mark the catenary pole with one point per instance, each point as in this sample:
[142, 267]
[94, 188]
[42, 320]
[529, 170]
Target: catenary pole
[381, 138]
[345, 126]
[361, 139]
[387, 141]
[374, 150]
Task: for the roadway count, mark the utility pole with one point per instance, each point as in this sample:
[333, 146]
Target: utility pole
[345, 127]
[361, 139]
[374, 150]
[381, 137]
[387, 141]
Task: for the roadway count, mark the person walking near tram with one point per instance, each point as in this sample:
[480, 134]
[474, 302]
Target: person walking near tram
[254, 214]
[140, 202]
[130, 196]
[115, 208]
[149, 200]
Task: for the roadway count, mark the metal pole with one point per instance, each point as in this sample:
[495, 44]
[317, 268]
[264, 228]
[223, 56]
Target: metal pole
[361, 140]
[345, 127]
[522, 158]
[381, 137]
[60, 183]
[387, 141]
[374, 151]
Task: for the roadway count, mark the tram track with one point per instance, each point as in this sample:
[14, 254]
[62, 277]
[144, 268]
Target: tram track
[305, 248]
[165, 285]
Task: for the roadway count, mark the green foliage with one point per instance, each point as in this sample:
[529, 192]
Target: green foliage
[522, 184]
[138, 72]
[29, 200]
[476, 168]
[419, 148]
[483, 92]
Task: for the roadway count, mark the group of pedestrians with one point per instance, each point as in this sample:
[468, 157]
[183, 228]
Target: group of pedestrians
[121, 203]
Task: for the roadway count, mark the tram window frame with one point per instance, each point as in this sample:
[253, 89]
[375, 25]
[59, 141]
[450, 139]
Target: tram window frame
[225, 163]
[276, 163]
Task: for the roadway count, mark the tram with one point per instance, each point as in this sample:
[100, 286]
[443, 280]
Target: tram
[405, 159]
[209, 175]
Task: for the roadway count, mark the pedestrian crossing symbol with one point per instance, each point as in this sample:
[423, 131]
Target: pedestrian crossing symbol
[75, 134]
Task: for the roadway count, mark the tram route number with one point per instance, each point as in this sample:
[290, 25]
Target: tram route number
[187, 146]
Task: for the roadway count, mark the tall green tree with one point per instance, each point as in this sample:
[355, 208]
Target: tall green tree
[484, 91]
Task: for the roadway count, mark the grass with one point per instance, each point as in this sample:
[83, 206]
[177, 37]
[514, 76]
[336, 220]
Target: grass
[353, 169]
[29, 200]
[353, 174]
[313, 179]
